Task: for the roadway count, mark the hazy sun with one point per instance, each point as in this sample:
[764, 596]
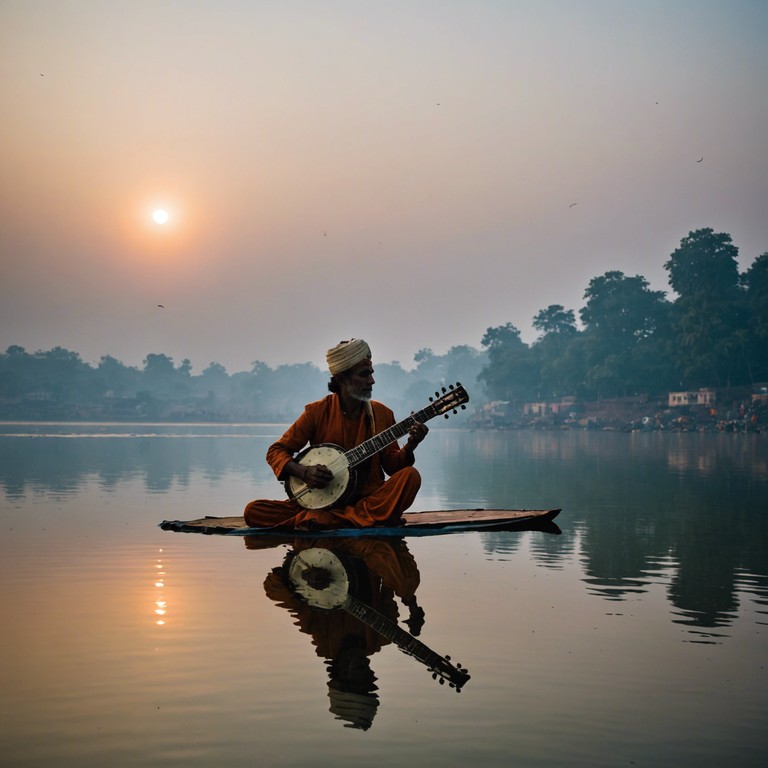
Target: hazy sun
[160, 216]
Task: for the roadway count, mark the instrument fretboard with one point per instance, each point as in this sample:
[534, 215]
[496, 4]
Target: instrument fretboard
[405, 641]
[380, 441]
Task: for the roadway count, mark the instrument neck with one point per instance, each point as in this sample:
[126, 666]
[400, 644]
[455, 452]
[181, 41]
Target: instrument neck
[381, 440]
[405, 641]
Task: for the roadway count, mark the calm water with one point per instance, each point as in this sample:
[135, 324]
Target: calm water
[635, 637]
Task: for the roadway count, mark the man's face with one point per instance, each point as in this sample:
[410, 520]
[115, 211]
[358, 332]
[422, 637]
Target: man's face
[359, 381]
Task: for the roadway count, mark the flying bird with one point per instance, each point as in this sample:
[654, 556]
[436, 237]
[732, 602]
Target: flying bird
[700, 159]
[572, 204]
[161, 306]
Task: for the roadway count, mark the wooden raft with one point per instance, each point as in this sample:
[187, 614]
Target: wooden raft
[415, 524]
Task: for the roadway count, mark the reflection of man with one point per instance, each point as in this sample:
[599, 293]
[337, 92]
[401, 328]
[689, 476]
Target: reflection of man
[346, 418]
[376, 572]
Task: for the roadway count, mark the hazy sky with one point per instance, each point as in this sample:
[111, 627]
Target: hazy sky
[400, 171]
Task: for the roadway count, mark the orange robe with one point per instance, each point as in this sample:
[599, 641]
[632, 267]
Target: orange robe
[379, 501]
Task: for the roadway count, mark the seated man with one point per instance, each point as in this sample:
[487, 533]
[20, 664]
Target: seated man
[347, 417]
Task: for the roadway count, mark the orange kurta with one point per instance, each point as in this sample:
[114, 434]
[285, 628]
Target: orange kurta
[379, 501]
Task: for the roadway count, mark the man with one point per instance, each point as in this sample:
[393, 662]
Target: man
[346, 417]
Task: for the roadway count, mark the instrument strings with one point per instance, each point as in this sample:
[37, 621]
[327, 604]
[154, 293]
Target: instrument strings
[338, 463]
[342, 462]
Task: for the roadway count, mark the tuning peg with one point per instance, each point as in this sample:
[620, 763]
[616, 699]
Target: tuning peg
[434, 675]
[463, 407]
[450, 386]
[442, 681]
[446, 416]
[444, 390]
[430, 399]
[447, 658]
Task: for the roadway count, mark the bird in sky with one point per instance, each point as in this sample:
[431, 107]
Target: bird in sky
[161, 306]
[700, 159]
[572, 204]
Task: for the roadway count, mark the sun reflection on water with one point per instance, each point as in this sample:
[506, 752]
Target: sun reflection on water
[161, 606]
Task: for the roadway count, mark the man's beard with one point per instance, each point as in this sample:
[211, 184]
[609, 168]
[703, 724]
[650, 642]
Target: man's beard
[363, 395]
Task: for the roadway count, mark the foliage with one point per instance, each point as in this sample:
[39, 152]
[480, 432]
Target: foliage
[709, 317]
[58, 384]
[634, 340]
[510, 375]
[714, 332]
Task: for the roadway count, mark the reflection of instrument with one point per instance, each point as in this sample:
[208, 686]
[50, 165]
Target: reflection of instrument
[341, 463]
[321, 579]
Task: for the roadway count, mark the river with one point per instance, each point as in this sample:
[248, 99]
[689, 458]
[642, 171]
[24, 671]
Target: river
[635, 636]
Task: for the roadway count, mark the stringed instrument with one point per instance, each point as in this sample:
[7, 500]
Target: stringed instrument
[342, 463]
[320, 578]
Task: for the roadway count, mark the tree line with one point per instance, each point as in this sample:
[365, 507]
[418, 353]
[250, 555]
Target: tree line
[58, 384]
[630, 340]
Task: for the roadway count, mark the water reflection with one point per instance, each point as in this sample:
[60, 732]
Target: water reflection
[344, 594]
[686, 512]
[680, 512]
[161, 605]
[62, 465]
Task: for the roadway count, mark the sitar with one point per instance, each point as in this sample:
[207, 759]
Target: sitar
[342, 463]
[320, 578]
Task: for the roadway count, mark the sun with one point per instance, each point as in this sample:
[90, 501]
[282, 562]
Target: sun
[160, 216]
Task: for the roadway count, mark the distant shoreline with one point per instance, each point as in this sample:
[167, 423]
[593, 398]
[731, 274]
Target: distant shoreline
[733, 427]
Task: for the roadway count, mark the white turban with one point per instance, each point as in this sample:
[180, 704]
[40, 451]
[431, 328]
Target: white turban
[347, 354]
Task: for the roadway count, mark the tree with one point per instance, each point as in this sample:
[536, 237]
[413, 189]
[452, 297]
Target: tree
[708, 318]
[64, 373]
[164, 380]
[215, 372]
[214, 382]
[16, 372]
[510, 374]
[555, 320]
[755, 282]
[117, 377]
[463, 364]
[429, 368]
[704, 262]
[621, 318]
[558, 375]
[158, 365]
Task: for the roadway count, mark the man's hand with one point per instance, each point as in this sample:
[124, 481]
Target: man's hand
[317, 475]
[416, 434]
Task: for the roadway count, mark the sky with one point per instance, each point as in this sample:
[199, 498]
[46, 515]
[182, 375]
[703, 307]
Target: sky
[412, 173]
